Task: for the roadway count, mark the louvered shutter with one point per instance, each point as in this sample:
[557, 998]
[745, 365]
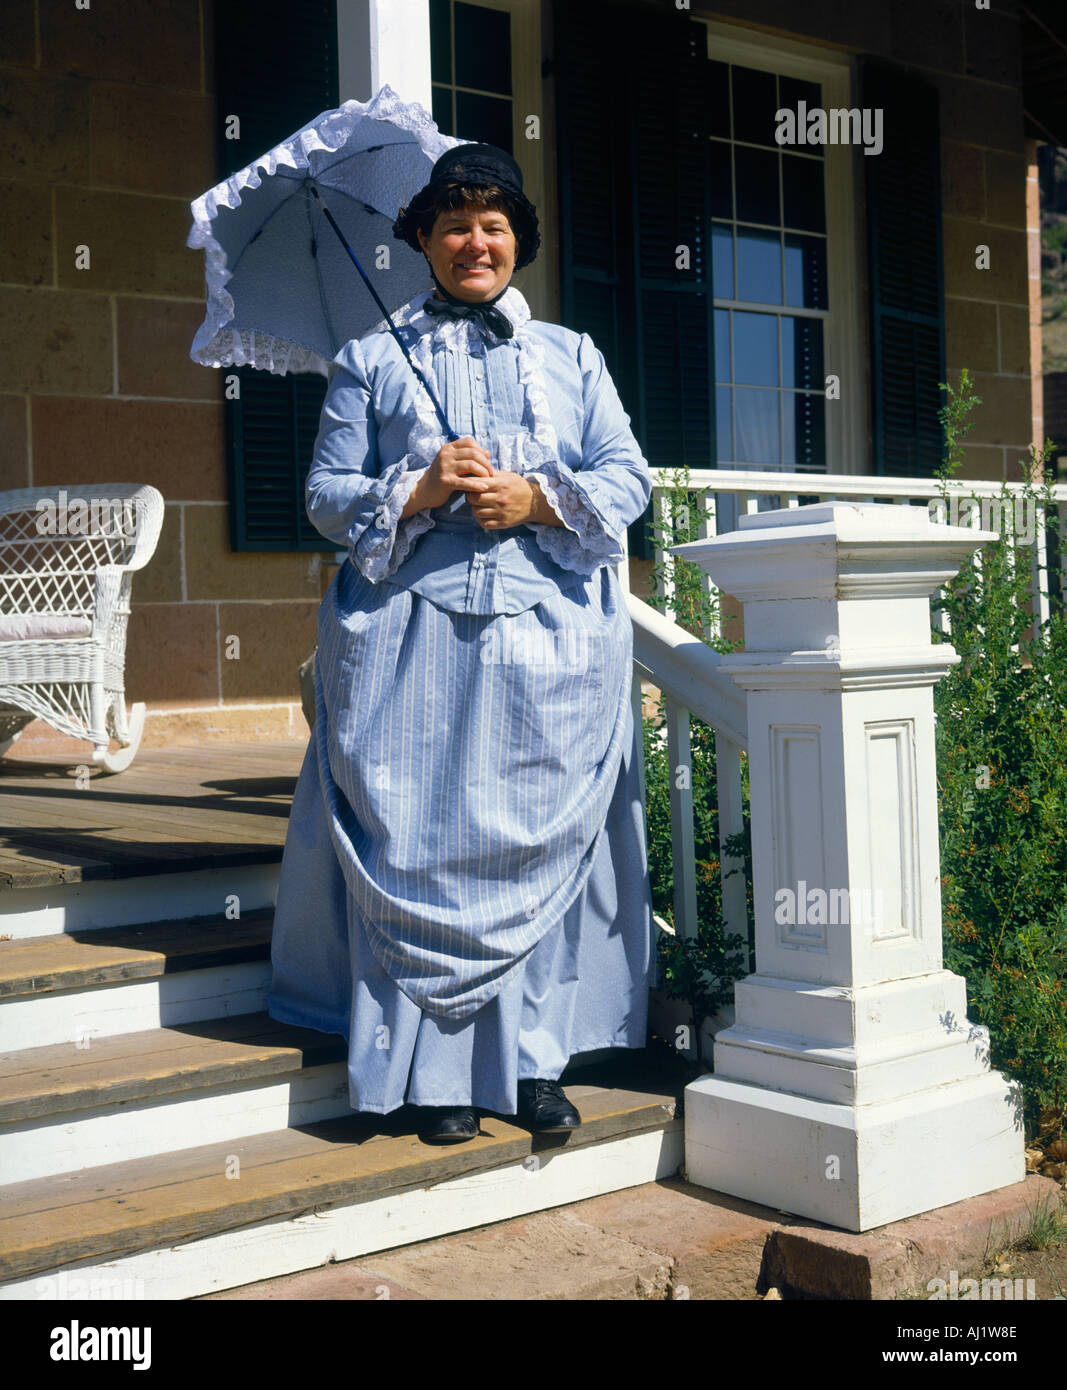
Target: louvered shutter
[634, 170]
[276, 70]
[594, 230]
[906, 280]
[670, 173]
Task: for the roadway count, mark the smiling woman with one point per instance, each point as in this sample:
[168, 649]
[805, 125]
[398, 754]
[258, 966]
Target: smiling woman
[464, 892]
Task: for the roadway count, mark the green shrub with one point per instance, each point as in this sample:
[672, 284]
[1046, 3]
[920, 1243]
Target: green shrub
[1002, 796]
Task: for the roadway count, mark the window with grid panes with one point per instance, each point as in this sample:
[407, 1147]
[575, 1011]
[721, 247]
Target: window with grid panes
[470, 71]
[770, 275]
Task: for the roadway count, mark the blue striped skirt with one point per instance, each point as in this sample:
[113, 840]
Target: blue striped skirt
[464, 891]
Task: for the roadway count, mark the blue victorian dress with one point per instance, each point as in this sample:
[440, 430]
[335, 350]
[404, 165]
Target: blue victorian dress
[464, 890]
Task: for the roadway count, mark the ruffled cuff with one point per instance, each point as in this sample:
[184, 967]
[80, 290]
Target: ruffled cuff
[586, 540]
[383, 546]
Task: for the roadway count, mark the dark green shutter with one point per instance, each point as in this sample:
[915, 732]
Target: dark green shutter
[635, 183]
[906, 280]
[276, 67]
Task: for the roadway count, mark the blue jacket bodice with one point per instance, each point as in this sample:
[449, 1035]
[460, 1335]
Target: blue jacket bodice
[541, 403]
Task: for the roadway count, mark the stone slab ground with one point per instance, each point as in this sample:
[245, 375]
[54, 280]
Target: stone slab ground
[673, 1240]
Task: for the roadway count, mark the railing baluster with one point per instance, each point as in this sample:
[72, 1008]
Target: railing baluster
[937, 599]
[637, 705]
[731, 822]
[1039, 570]
[683, 848]
[662, 534]
[708, 527]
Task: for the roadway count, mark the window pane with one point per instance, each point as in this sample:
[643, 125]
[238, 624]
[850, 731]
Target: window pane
[805, 272]
[722, 345]
[442, 110]
[759, 266]
[802, 193]
[804, 431]
[756, 426]
[755, 102]
[802, 363]
[485, 119]
[723, 432]
[792, 92]
[440, 41]
[722, 198]
[719, 99]
[756, 349]
[757, 185]
[722, 261]
[483, 49]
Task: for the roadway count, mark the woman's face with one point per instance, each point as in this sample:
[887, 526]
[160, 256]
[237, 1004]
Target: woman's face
[472, 252]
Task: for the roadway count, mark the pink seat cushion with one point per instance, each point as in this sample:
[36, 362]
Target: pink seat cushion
[31, 627]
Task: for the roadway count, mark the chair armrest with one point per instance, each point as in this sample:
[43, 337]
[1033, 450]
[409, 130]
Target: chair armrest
[149, 504]
[108, 592]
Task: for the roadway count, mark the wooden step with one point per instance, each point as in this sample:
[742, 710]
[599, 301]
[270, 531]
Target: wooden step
[138, 1094]
[44, 1082]
[155, 894]
[36, 966]
[251, 1199]
[74, 987]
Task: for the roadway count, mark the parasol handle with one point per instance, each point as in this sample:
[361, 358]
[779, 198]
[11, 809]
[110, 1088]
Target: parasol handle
[449, 431]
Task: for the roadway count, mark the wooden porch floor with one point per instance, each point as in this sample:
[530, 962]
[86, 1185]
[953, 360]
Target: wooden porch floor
[206, 806]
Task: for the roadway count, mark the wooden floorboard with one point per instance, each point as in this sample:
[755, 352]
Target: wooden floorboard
[176, 808]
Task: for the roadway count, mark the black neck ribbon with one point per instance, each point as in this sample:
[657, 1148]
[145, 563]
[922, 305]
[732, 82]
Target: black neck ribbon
[493, 319]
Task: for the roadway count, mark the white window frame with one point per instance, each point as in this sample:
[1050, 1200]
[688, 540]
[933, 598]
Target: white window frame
[847, 441]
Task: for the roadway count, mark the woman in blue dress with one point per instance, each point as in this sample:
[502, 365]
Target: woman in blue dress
[464, 891]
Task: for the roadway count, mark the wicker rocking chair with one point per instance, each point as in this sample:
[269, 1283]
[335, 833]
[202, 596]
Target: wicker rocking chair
[66, 561]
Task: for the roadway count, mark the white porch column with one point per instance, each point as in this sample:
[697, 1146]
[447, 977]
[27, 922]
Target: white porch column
[851, 1089]
[384, 41]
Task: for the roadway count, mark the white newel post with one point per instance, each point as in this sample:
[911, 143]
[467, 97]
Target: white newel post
[851, 1089]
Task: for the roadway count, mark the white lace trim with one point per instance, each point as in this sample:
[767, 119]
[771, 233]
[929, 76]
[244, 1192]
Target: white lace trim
[218, 345]
[586, 540]
[583, 542]
[385, 544]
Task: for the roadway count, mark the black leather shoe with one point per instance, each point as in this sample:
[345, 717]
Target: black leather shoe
[448, 1124]
[543, 1107]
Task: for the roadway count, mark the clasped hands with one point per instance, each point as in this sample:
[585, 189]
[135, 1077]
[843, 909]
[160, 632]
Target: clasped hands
[498, 498]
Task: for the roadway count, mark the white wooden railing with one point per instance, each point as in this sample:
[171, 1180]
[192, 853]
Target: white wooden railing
[742, 492]
[687, 670]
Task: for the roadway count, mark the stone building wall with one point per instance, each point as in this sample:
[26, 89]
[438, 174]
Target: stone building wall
[107, 119]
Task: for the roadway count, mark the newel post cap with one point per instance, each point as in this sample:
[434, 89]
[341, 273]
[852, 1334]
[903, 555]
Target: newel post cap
[835, 550]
